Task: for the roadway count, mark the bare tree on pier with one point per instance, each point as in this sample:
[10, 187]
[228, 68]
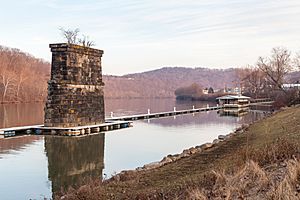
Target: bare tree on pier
[72, 37]
[84, 41]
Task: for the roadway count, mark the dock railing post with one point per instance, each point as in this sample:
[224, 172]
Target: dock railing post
[193, 107]
[207, 106]
[217, 105]
[174, 109]
[111, 114]
[148, 111]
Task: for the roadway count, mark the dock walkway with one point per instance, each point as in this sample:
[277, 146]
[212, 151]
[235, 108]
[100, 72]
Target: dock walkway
[68, 131]
[163, 114]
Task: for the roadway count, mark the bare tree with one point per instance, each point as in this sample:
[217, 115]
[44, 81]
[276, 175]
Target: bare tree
[276, 67]
[297, 61]
[6, 75]
[70, 35]
[22, 75]
[84, 41]
[254, 81]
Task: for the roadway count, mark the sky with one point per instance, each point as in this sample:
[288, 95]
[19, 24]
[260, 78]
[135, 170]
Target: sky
[141, 35]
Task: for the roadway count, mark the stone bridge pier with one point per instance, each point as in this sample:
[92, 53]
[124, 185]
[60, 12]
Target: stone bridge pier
[75, 90]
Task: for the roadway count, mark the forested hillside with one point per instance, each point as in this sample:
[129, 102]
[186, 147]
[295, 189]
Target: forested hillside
[23, 78]
[162, 83]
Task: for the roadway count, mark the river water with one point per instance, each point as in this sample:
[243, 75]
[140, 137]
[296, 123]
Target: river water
[35, 167]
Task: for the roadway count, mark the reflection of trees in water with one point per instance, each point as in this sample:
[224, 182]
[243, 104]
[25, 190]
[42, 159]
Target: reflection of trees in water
[21, 114]
[139, 106]
[17, 143]
[210, 117]
[71, 160]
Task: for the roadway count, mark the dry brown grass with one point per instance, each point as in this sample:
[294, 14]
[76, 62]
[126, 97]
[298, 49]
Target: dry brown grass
[279, 150]
[245, 183]
[254, 182]
[289, 188]
[271, 172]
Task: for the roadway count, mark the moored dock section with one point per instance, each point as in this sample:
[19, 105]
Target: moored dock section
[163, 114]
[62, 131]
[84, 130]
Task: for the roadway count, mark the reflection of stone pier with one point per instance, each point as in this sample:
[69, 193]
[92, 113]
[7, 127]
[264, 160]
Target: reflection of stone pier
[70, 160]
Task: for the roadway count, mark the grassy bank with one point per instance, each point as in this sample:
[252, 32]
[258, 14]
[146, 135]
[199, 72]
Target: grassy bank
[260, 163]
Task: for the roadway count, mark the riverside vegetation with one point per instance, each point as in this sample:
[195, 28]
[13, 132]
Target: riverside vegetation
[260, 161]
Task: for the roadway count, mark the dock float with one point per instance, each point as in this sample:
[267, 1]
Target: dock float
[68, 131]
[163, 114]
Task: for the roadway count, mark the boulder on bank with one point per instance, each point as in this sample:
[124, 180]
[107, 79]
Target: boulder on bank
[152, 165]
[216, 141]
[167, 159]
[206, 146]
[193, 150]
[221, 137]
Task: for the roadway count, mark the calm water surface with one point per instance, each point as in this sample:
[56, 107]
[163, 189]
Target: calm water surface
[36, 166]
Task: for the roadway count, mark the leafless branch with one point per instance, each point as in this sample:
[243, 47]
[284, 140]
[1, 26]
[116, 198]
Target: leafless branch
[70, 35]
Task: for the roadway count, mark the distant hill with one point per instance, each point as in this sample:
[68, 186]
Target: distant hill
[162, 83]
[293, 77]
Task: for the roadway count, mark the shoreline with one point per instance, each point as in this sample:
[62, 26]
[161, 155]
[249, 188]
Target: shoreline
[175, 175]
[171, 158]
[193, 150]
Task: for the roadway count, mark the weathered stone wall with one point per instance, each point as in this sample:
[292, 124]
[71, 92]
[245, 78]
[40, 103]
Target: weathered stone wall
[75, 90]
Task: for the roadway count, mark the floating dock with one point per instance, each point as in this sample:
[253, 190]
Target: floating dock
[70, 131]
[111, 123]
[163, 114]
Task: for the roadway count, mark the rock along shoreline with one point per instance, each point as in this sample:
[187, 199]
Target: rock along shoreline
[185, 153]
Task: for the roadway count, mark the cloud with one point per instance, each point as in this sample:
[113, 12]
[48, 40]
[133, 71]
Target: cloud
[141, 34]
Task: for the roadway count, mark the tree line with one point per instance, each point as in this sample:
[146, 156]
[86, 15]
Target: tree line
[195, 92]
[265, 79]
[23, 78]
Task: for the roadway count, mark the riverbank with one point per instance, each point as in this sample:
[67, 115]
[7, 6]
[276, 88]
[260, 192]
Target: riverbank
[263, 153]
[203, 97]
